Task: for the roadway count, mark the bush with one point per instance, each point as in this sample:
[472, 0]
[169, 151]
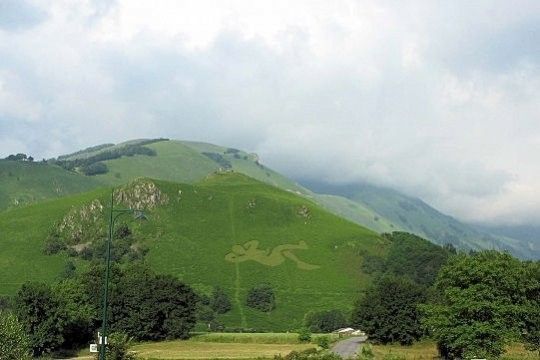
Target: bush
[262, 298]
[325, 321]
[304, 336]
[220, 301]
[95, 169]
[323, 342]
[118, 348]
[53, 245]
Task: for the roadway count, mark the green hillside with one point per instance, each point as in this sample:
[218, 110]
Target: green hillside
[410, 214]
[24, 183]
[227, 230]
[380, 209]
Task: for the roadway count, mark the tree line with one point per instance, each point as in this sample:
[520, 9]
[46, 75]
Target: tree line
[472, 304]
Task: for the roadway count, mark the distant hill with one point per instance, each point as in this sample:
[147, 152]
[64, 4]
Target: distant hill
[380, 209]
[23, 182]
[228, 230]
[401, 212]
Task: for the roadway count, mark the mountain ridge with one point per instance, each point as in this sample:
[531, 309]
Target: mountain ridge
[377, 208]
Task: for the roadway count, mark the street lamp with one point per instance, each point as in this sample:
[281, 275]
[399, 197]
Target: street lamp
[114, 215]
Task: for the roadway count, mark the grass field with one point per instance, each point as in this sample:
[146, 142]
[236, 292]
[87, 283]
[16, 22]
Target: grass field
[427, 350]
[192, 235]
[256, 338]
[266, 345]
[207, 350]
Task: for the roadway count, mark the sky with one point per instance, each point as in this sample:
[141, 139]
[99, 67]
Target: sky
[437, 99]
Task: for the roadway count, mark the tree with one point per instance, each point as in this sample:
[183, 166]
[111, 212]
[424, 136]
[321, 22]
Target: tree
[80, 315]
[531, 323]
[410, 255]
[261, 297]
[388, 311]
[482, 304]
[220, 301]
[41, 315]
[14, 342]
[325, 321]
[147, 306]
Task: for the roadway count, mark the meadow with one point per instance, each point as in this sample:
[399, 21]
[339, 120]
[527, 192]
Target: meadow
[266, 345]
[191, 235]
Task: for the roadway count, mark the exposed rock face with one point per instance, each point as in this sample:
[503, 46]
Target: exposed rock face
[82, 223]
[140, 194]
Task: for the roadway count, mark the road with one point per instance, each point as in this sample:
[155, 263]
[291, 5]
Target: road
[349, 347]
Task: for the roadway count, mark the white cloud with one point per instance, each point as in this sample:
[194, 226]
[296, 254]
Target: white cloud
[439, 101]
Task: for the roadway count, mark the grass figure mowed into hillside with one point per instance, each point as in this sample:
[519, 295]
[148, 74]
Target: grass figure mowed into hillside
[251, 251]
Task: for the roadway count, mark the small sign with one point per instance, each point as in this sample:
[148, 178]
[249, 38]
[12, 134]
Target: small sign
[100, 339]
[93, 348]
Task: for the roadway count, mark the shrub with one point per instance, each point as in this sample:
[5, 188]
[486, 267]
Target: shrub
[304, 336]
[325, 321]
[95, 169]
[220, 301]
[118, 348]
[53, 245]
[323, 342]
[262, 298]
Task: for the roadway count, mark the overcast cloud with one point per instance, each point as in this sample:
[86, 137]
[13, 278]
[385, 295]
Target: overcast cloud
[440, 100]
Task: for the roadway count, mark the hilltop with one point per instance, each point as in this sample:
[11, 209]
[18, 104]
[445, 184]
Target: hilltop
[228, 230]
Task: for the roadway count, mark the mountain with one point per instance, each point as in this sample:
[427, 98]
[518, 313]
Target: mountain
[380, 209]
[394, 210]
[228, 230]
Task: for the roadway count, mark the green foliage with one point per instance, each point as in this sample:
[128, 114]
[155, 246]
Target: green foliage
[261, 297]
[144, 305]
[323, 342]
[69, 271]
[325, 321]
[484, 301]
[80, 314]
[366, 353]
[14, 342]
[94, 169]
[91, 163]
[388, 311]
[309, 354]
[189, 237]
[17, 157]
[118, 348]
[411, 256]
[304, 335]
[531, 321]
[41, 315]
[220, 301]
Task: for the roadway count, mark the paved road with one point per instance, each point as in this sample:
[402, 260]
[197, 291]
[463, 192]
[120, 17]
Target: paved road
[349, 347]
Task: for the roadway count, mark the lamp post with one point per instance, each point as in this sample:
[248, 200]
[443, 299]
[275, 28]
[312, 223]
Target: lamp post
[113, 216]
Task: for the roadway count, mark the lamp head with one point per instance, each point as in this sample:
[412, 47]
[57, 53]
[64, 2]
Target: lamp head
[139, 215]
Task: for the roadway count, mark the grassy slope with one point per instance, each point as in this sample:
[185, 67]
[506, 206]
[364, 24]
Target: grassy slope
[23, 183]
[190, 236]
[22, 235]
[174, 162]
[402, 212]
[183, 161]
